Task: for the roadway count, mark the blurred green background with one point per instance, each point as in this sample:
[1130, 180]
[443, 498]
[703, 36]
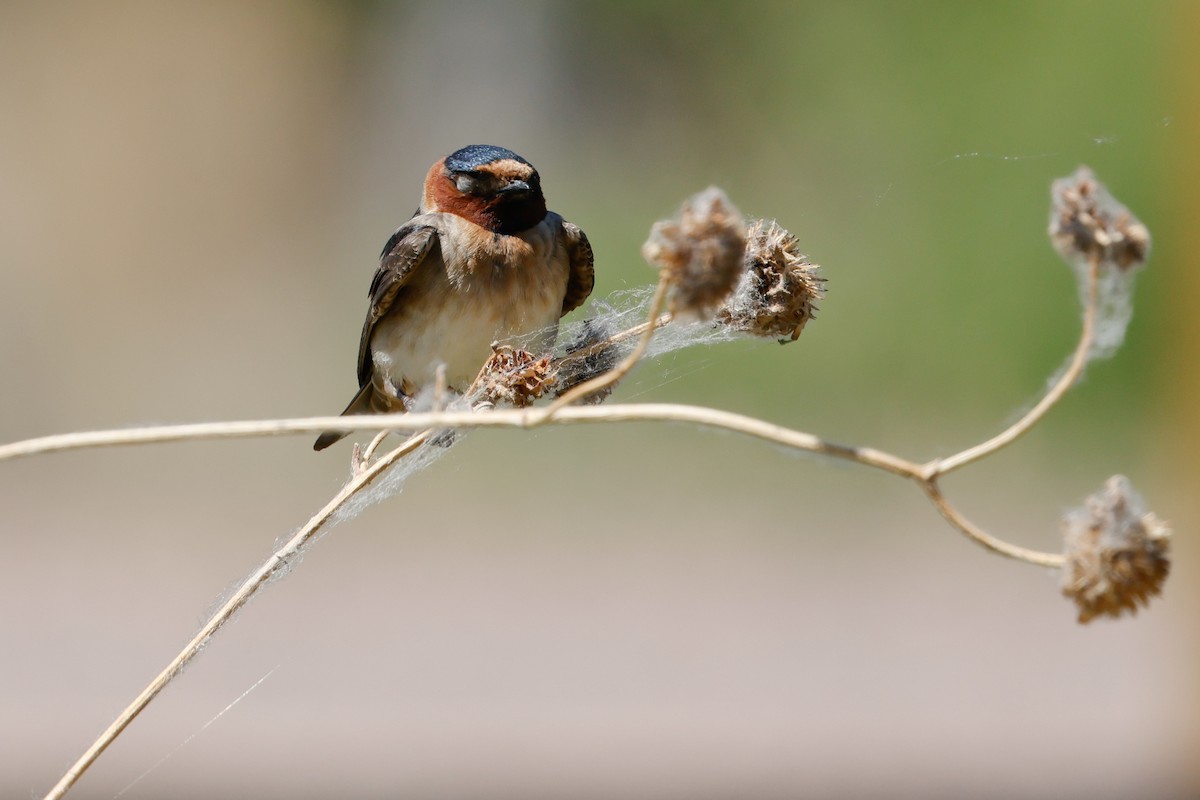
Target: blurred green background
[192, 198]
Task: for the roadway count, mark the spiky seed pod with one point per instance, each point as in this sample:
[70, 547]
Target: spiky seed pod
[1116, 551]
[1086, 223]
[699, 253]
[515, 377]
[779, 288]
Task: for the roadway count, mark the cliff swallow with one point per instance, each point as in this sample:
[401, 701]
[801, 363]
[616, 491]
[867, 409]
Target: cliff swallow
[481, 261]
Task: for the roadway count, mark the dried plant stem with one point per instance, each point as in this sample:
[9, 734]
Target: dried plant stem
[363, 478]
[503, 418]
[256, 429]
[621, 370]
[498, 418]
[559, 412]
[1061, 386]
[366, 455]
[620, 336]
[729, 421]
[278, 560]
[636, 330]
[982, 537]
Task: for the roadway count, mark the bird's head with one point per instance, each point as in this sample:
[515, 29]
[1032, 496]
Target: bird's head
[493, 187]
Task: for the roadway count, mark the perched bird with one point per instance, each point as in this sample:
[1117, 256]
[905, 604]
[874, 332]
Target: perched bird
[481, 261]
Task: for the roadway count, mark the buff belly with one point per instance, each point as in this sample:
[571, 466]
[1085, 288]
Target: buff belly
[442, 322]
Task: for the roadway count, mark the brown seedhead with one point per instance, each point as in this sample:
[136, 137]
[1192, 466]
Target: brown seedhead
[515, 377]
[1087, 223]
[699, 253]
[1116, 551]
[779, 288]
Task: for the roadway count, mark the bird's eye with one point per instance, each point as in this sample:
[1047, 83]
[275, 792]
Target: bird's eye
[468, 182]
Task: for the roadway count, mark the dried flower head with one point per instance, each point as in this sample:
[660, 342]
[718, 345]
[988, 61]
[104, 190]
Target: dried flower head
[1087, 223]
[591, 354]
[515, 377]
[1116, 552]
[777, 294]
[699, 253]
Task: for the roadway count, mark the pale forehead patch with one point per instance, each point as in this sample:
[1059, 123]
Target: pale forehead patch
[509, 168]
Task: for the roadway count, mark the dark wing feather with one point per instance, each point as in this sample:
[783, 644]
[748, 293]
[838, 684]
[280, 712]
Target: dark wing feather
[582, 275]
[407, 248]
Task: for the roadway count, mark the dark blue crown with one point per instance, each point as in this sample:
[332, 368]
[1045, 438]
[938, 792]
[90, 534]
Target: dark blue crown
[474, 156]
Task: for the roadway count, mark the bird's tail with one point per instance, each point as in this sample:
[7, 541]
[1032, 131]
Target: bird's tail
[361, 404]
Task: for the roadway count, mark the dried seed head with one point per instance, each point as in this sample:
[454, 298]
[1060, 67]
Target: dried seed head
[1088, 227]
[514, 376]
[1116, 552]
[699, 253]
[779, 288]
[1087, 223]
[588, 356]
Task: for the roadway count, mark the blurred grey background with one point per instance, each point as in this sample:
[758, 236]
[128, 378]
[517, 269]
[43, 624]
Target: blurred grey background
[192, 199]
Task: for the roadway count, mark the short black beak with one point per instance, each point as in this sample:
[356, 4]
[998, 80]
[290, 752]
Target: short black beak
[516, 187]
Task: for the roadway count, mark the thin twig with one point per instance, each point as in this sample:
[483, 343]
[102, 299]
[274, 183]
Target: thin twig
[1061, 386]
[628, 333]
[637, 330]
[365, 457]
[248, 429]
[498, 418]
[982, 537]
[278, 560]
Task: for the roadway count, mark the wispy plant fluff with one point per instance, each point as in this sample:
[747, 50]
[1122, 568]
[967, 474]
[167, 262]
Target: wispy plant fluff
[392, 481]
[590, 352]
[1091, 230]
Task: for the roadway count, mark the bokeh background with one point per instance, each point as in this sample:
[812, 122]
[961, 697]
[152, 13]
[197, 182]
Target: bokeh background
[192, 198]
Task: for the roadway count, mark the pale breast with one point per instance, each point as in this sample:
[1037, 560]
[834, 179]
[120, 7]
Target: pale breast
[477, 288]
